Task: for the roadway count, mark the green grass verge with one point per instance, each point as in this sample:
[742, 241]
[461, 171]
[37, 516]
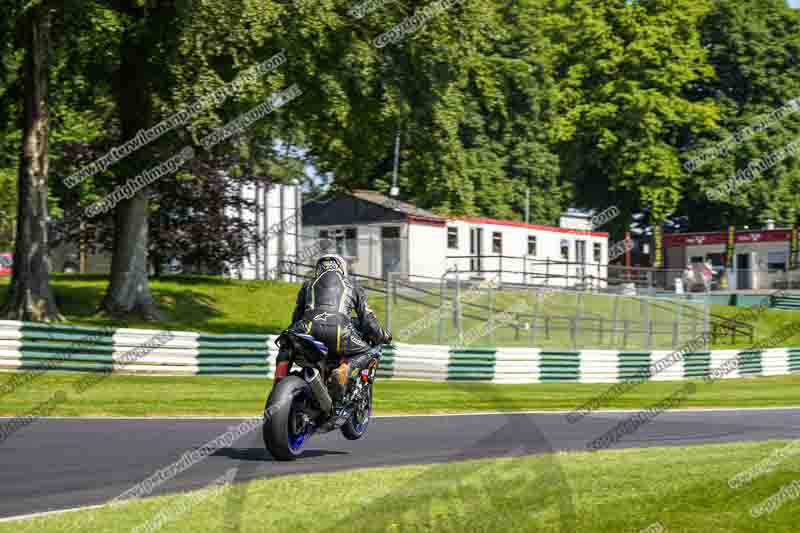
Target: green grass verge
[683, 489]
[191, 303]
[123, 395]
[217, 305]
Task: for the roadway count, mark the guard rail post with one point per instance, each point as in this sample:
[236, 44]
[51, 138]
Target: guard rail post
[458, 309]
[578, 316]
[706, 322]
[388, 297]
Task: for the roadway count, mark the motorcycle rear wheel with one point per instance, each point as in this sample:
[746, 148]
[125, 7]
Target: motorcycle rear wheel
[284, 435]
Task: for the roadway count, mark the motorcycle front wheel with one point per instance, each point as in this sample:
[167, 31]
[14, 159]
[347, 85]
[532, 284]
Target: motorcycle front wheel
[356, 425]
[284, 429]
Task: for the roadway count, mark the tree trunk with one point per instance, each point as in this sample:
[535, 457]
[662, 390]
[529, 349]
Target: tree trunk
[128, 295]
[83, 247]
[129, 291]
[157, 262]
[30, 297]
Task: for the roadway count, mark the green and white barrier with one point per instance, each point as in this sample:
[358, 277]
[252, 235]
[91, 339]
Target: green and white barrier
[29, 346]
[528, 365]
[415, 361]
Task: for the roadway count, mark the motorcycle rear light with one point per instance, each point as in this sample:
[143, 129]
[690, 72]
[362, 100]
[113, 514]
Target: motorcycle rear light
[365, 376]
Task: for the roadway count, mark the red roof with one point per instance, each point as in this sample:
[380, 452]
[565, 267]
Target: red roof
[676, 240]
[515, 224]
[425, 221]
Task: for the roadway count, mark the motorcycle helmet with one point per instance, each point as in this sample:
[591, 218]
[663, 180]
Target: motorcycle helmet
[330, 262]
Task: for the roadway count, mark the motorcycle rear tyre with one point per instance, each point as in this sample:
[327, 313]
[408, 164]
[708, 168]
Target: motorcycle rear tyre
[277, 415]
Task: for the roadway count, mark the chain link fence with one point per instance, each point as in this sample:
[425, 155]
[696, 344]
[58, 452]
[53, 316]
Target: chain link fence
[462, 310]
[468, 312]
[694, 280]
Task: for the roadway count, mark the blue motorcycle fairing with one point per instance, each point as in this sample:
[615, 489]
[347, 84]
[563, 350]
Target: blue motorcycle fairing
[317, 344]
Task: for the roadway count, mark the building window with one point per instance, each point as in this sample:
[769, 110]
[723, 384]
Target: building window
[497, 242]
[325, 242]
[338, 237]
[532, 245]
[346, 242]
[565, 250]
[597, 250]
[452, 238]
[717, 260]
[776, 260]
[390, 232]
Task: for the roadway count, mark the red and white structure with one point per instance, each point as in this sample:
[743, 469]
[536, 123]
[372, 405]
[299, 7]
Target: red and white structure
[379, 235]
[760, 257]
[532, 253]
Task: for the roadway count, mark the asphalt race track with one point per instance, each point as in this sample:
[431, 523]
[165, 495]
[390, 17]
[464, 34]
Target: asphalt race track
[62, 463]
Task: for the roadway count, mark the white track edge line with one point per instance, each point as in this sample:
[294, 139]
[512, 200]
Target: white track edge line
[47, 513]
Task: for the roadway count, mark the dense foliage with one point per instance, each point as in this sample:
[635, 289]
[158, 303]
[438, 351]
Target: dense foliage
[568, 102]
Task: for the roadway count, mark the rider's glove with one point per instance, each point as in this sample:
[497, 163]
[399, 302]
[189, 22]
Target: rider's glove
[387, 337]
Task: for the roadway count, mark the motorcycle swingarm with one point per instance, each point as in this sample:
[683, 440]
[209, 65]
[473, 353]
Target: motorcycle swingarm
[336, 421]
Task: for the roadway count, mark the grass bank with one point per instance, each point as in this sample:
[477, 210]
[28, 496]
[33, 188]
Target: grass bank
[218, 305]
[122, 395]
[682, 489]
[190, 303]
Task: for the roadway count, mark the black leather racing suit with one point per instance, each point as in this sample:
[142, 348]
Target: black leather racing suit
[324, 310]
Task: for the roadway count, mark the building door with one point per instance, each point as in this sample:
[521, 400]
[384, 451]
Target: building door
[391, 250]
[743, 271]
[580, 258]
[476, 249]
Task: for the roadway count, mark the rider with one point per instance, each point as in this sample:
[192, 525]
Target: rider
[323, 310]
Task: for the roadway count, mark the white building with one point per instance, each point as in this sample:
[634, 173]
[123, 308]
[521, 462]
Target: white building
[378, 234]
[529, 253]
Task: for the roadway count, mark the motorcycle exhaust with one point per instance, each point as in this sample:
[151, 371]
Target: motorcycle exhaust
[312, 377]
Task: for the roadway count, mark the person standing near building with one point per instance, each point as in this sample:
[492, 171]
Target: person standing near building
[708, 274]
[688, 277]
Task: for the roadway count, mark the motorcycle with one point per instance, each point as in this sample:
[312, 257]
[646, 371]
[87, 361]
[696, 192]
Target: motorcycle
[301, 404]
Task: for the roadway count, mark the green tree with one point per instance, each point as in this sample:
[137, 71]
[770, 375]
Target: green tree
[623, 69]
[519, 120]
[754, 48]
[10, 91]
[419, 85]
[8, 207]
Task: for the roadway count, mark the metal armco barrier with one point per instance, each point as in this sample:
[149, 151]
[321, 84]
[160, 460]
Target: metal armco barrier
[31, 346]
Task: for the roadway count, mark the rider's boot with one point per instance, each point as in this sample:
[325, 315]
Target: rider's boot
[360, 363]
[340, 379]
